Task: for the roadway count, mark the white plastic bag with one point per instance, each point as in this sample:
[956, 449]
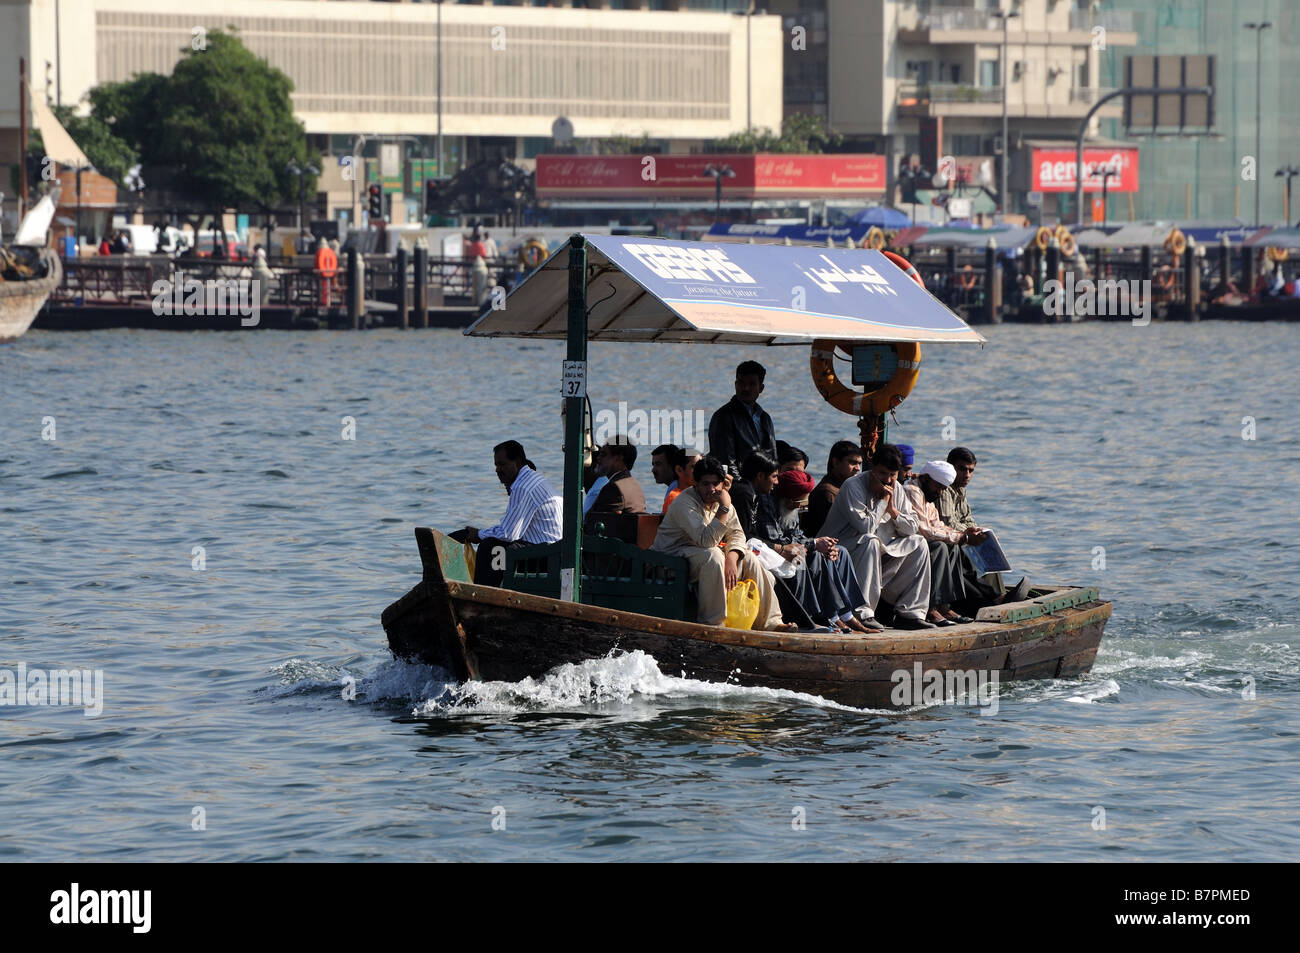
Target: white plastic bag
[773, 561]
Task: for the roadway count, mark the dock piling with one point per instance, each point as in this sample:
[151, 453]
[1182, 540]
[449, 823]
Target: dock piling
[403, 299]
[421, 286]
[356, 289]
[992, 284]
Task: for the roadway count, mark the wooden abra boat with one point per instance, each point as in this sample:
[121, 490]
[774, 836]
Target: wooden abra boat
[586, 596]
[490, 634]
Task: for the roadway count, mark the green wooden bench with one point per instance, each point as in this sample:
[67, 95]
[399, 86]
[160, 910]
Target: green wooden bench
[615, 575]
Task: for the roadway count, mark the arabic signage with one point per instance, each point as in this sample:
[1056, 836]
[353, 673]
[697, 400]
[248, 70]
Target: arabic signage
[756, 176]
[1054, 170]
[804, 234]
[806, 291]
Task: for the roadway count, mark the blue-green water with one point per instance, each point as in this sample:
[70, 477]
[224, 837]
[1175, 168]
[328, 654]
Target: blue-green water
[224, 686]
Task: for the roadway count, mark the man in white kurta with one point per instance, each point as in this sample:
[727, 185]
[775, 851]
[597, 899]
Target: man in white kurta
[873, 519]
[694, 525]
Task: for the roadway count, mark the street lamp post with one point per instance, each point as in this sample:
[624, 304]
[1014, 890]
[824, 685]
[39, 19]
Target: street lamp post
[1289, 172]
[302, 172]
[1005, 16]
[1259, 29]
[1106, 176]
[718, 173]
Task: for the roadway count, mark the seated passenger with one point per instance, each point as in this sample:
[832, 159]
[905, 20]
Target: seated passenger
[955, 512]
[826, 586]
[790, 458]
[908, 455]
[661, 465]
[622, 494]
[698, 521]
[533, 514]
[758, 476]
[683, 468]
[845, 460]
[953, 578]
[873, 520]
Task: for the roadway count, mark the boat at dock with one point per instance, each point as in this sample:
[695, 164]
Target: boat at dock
[586, 596]
[29, 271]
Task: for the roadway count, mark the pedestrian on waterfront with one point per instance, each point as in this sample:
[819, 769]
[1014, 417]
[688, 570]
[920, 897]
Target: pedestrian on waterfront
[490, 250]
[475, 248]
[327, 266]
[104, 247]
[262, 273]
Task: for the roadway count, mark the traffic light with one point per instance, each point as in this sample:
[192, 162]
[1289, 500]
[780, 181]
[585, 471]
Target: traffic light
[376, 195]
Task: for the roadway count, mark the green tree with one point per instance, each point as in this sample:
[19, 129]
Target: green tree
[800, 132]
[110, 155]
[222, 124]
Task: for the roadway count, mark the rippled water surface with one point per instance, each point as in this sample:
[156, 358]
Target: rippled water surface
[224, 687]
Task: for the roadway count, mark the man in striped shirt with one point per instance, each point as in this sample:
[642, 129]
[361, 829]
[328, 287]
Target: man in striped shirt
[533, 514]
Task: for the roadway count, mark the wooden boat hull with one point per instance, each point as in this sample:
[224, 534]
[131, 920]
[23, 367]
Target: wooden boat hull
[21, 301]
[490, 634]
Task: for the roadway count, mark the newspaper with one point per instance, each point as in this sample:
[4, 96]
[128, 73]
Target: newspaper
[988, 556]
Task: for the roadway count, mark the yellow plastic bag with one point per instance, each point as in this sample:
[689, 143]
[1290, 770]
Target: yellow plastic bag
[742, 605]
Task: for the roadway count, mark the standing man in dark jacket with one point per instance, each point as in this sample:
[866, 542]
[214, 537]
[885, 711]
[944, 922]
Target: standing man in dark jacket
[740, 427]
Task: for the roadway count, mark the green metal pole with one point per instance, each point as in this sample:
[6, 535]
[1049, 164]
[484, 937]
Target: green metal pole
[575, 392]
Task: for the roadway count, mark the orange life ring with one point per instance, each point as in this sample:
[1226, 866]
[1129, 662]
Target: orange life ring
[327, 263]
[1043, 237]
[966, 278]
[845, 398]
[908, 268]
[1165, 279]
[532, 254]
[1277, 254]
[1176, 242]
[875, 238]
[1068, 245]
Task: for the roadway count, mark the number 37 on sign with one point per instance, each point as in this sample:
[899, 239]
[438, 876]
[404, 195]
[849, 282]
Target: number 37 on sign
[574, 381]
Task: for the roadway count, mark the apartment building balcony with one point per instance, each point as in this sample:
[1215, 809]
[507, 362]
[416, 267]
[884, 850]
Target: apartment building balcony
[927, 100]
[955, 26]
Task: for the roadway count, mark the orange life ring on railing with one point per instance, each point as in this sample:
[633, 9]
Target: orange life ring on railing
[1277, 254]
[1069, 246]
[1061, 232]
[845, 398]
[1165, 279]
[1043, 237]
[1176, 242]
[532, 254]
[908, 268]
[966, 278]
[875, 238]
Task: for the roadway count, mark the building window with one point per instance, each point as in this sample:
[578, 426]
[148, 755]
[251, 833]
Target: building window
[964, 145]
[988, 73]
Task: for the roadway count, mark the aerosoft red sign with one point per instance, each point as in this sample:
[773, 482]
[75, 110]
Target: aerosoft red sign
[1054, 170]
[754, 176]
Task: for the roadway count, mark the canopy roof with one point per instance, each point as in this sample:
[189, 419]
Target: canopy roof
[642, 289]
[58, 144]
